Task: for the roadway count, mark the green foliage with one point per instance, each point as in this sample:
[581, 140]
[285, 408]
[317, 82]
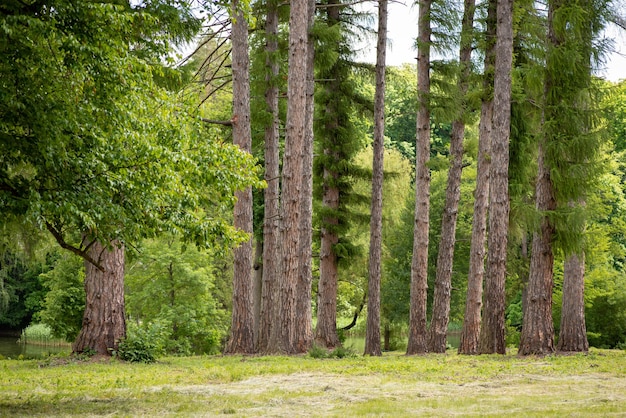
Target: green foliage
[139, 346]
[173, 293]
[64, 302]
[89, 141]
[318, 352]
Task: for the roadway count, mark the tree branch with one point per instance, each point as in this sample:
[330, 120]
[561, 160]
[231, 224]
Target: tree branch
[81, 253]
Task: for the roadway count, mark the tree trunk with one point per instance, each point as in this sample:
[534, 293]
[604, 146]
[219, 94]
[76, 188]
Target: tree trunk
[326, 330]
[104, 320]
[445, 257]
[257, 289]
[537, 327]
[492, 331]
[293, 171]
[470, 334]
[242, 325]
[372, 333]
[305, 328]
[573, 333]
[419, 265]
[271, 221]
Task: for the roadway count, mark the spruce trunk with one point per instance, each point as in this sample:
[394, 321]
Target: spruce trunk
[104, 320]
[293, 171]
[573, 332]
[419, 264]
[470, 334]
[445, 257]
[242, 325]
[271, 220]
[492, 330]
[372, 333]
[304, 337]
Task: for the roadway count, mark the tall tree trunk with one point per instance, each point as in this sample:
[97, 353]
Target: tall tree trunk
[537, 327]
[372, 333]
[104, 320]
[573, 333]
[326, 330]
[271, 221]
[470, 334]
[293, 171]
[445, 257]
[492, 331]
[242, 325]
[257, 289]
[304, 320]
[419, 266]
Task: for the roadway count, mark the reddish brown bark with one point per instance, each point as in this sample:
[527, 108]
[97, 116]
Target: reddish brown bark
[573, 330]
[271, 220]
[470, 334]
[492, 330]
[419, 265]
[104, 323]
[242, 324]
[443, 281]
[372, 333]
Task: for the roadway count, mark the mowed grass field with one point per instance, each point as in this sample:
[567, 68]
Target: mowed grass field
[393, 385]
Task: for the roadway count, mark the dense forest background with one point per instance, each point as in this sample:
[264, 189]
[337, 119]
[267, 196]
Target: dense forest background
[170, 178]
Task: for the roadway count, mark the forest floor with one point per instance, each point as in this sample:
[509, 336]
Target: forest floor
[393, 385]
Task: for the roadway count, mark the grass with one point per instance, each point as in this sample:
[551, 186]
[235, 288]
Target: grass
[392, 385]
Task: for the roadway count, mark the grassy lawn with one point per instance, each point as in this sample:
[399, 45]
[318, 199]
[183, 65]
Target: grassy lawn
[393, 385]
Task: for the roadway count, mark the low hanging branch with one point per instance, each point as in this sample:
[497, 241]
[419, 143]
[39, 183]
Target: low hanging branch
[357, 312]
[79, 252]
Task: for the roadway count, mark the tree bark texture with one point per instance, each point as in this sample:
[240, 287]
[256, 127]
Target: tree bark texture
[445, 257]
[104, 320]
[470, 334]
[537, 327]
[293, 172]
[242, 325]
[304, 339]
[372, 333]
[419, 265]
[271, 218]
[492, 339]
[573, 332]
[326, 330]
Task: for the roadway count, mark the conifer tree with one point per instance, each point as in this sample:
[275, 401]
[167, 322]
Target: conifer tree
[492, 329]
[419, 266]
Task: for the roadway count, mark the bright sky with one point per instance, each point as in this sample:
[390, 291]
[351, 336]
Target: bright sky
[402, 31]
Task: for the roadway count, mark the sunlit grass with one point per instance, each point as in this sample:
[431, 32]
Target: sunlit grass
[392, 385]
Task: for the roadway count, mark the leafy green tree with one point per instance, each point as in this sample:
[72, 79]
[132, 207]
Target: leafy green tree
[173, 289]
[64, 302]
[90, 144]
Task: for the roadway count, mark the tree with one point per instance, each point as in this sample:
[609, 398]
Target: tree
[337, 101]
[271, 222]
[372, 336]
[470, 334]
[304, 320]
[443, 281]
[242, 327]
[293, 171]
[173, 295]
[419, 265]
[92, 145]
[573, 331]
[104, 320]
[567, 164]
[492, 329]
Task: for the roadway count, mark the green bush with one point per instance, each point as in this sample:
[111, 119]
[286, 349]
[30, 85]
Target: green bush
[139, 346]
